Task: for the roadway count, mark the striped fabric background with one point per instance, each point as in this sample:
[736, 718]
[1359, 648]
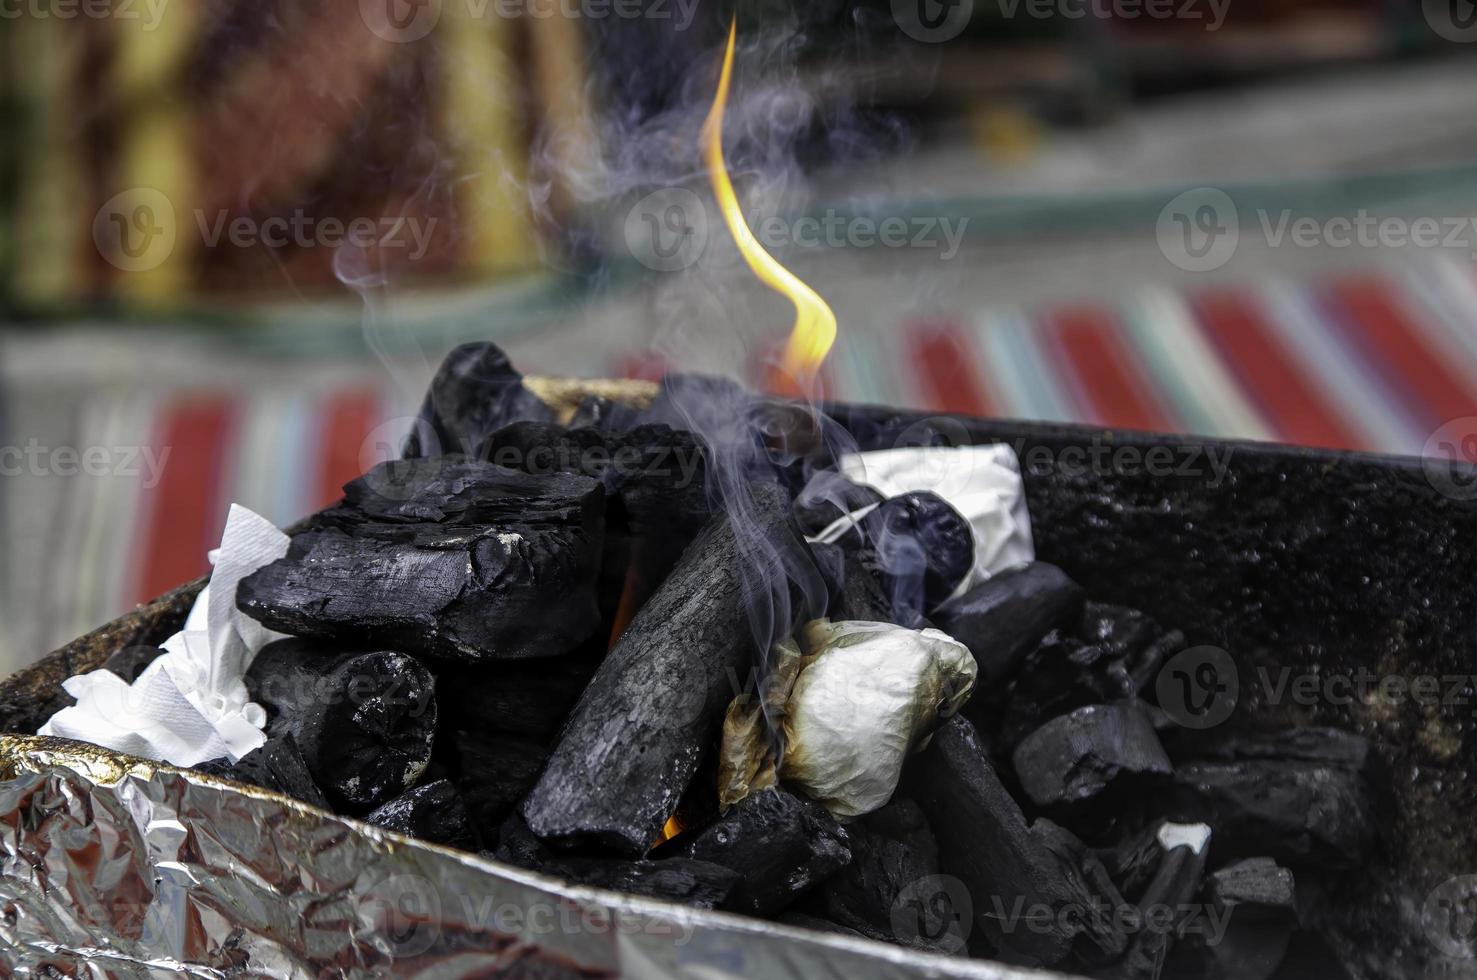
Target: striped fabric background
[1376, 361]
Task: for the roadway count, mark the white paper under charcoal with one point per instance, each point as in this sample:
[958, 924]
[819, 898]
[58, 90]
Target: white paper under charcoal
[983, 483]
[190, 705]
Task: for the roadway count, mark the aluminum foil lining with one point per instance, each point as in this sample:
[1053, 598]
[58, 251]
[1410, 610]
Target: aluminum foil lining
[121, 868]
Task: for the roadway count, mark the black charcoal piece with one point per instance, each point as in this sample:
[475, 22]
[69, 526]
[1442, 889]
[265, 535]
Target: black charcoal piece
[1165, 906]
[696, 883]
[475, 391]
[924, 549]
[431, 812]
[859, 593]
[1008, 870]
[277, 765]
[130, 662]
[1248, 922]
[827, 497]
[1102, 938]
[1303, 797]
[779, 844]
[1075, 757]
[603, 414]
[654, 709]
[494, 770]
[449, 557]
[1003, 619]
[891, 891]
[364, 722]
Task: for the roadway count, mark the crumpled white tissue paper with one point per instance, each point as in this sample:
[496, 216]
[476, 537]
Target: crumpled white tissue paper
[983, 483]
[190, 705]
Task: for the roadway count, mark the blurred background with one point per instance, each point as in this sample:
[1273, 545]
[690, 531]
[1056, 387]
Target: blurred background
[236, 236]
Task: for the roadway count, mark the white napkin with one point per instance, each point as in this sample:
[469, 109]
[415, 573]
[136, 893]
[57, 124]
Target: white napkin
[983, 483]
[190, 705]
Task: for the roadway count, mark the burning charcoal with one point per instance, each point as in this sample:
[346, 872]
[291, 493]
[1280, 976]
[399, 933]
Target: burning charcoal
[1164, 907]
[520, 697]
[1076, 756]
[432, 812]
[779, 844]
[1007, 868]
[892, 852]
[494, 771]
[924, 548]
[700, 884]
[129, 662]
[827, 498]
[1303, 798]
[475, 391]
[364, 721]
[277, 766]
[1249, 920]
[446, 557]
[1003, 619]
[653, 711]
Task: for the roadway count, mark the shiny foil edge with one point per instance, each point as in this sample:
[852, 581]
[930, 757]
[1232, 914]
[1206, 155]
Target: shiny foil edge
[119, 867]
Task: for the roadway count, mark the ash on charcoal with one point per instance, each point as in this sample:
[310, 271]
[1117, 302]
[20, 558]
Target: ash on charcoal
[1302, 797]
[1005, 865]
[494, 770]
[779, 844]
[1165, 904]
[365, 722]
[652, 712]
[1004, 618]
[278, 766]
[885, 892]
[475, 391]
[432, 812]
[700, 884]
[449, 557]
[1075, 757]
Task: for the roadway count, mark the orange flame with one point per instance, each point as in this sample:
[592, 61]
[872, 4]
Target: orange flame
[815, 325]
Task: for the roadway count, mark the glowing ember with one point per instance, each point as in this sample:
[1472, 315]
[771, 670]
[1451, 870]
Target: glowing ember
[815, 325]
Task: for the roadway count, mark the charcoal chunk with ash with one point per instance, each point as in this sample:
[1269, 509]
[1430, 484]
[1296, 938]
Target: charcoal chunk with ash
[364, 721]
[890, 891]
[1076, 756]
[449, 557]
[653, 711]
[277, 765]
[1165, 907]
[475, 391]
[1004, 618]
[432, 812]
[779, 844]
[700, 884]
[1008, 867]
[1302, 797]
